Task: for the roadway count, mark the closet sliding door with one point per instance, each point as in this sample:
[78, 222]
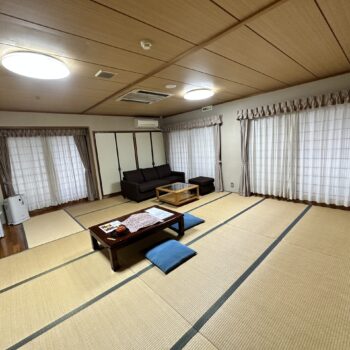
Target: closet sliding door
[108, 163]
[158, 148]
[126, 151]
[123, 151]
[144, 149]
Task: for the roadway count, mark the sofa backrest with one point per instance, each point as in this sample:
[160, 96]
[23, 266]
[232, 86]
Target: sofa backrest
[134, 176]
[163, 170]
[149, 174]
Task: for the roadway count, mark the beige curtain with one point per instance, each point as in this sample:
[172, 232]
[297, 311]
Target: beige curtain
[5, 168]
[81, 143]
[244, 185]
[219, 186]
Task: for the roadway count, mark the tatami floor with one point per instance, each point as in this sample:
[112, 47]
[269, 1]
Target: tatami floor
[268, 275]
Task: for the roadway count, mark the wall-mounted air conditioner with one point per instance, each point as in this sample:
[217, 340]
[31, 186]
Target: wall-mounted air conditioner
[146, 123]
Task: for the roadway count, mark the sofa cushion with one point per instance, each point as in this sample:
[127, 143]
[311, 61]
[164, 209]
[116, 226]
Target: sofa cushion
[169, 255]
[189, 222]
[163, 170]
[133, 176]
[149, 174]
[151, 185]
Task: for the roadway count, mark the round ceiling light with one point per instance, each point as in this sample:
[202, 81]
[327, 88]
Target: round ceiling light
[35, 65]
[170, 86]
[198, 94]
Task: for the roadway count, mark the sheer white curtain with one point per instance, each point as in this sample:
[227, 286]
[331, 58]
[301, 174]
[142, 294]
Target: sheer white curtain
[323, 173]
[47, 170]
[192, 151]
[302, 155]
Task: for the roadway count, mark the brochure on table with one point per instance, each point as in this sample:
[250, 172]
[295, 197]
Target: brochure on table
[159, 213]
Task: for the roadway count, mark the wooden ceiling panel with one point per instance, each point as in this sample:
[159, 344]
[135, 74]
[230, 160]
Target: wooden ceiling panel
[243, 8]
[91, 20]
[194, 20]
[298, 28]
[72, 94]
[248, 48]
[33, 37]
[337, 13]
[198, 79]
[208, 62]
[170, 106]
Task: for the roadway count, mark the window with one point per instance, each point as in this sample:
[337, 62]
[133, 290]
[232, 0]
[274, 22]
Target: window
[47, 169]
[192, 151]
[303, 155]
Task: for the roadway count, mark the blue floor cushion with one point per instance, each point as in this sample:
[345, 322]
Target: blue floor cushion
[169, 255]
[189, 221]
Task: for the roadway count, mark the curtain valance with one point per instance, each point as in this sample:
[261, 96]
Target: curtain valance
[42, 132]
[312, 102]
[192, 124]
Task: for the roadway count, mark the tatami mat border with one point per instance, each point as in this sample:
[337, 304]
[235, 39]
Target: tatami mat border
[114, 288]
[84, 255]
[111, 206]
[45, 272]
[67, 212]
[181, 343]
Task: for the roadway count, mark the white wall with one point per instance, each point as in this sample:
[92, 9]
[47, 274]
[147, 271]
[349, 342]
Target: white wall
[231, 148]
[93, 122]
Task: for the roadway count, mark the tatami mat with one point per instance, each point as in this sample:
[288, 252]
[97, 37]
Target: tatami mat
[85, 208]
[33, 305]
[270, 218]
[32, 262]
[324, 230]
[133, 317]
[291, 302]
[298, 297]
[222, 257]
[198, 342]
[48, 227]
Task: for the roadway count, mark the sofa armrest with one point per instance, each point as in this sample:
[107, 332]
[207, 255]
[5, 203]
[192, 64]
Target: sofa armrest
[130, 189]
[179, 173]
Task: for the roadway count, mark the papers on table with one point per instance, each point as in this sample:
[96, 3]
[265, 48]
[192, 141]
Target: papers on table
[140, 220]
[110, 226]
[159, 213]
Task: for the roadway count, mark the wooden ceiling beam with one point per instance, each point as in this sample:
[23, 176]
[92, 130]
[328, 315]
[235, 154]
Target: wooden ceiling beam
[192, 50]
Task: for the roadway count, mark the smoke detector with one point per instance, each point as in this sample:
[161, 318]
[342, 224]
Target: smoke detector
[146, 44]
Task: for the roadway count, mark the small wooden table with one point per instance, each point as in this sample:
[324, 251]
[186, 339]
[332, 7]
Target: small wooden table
[101, 239]
[178, 193]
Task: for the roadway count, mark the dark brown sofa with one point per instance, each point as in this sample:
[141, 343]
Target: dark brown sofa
[141, 184]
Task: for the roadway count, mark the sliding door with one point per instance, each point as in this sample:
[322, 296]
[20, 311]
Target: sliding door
[108, 162]
[144, 149]
[126, 151]
[158, 148]
[116, 153]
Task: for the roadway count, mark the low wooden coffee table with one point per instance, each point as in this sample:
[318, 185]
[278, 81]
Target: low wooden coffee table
[178, 193]
[101, 239]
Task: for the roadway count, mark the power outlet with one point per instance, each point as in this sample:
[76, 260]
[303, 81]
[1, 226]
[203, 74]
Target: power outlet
[232, 185]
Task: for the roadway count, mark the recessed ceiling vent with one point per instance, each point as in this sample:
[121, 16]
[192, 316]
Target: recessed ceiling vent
[104, 74]
[143, 96]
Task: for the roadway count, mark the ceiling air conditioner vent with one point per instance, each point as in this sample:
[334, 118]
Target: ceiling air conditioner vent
[104, 74]
[147, 123]
[143, 96]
